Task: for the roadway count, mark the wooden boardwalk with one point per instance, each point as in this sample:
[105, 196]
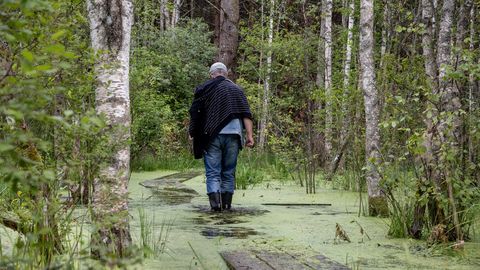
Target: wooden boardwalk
[267, 260]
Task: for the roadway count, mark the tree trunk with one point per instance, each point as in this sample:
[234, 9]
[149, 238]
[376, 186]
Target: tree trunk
[176, 12]
[163, 10]
[320, 79]
[346, 93]
[447, 130]
[431, 71]
[385, 26]
[319, 142]
[376, 197]
[471, 89]
[228, 35]
[328, 81]
[262, 137]
[110, 25]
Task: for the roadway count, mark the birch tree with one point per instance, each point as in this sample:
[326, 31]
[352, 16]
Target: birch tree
[169, 17]
[448, 130]
[376, 198]
[328, 79]
[431, 72]
[262, 137]
[110, 25]
[346, 82]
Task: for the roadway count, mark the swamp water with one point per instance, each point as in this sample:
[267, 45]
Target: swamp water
[196, 235]
[181, 225]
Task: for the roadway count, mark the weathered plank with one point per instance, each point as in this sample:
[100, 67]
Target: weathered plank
[322, 262]
[267, 260]
[281, 261]
[243, 260]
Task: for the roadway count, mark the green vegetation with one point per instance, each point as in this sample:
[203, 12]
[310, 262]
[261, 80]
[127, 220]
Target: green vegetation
[53, 143]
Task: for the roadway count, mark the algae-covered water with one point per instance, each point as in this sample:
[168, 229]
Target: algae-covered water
[196, 236]
[188, 236]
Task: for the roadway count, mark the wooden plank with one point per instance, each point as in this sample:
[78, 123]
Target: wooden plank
[267, 260]
[243, 260]
[281, 261]
[323, 262]
[297, 204]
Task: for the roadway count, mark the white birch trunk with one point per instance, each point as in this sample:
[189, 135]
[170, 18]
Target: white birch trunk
[176, 12]
[328, 80]
[320, 79]
[385, 24]
[163, 9]
[262, 138]
[110, 25]
[427, 40]
[431, 72]
[376, 198]
[471, 87]
[346, 83]
[449, 130]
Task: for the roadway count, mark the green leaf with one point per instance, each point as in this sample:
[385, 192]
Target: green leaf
[43, 67]
[55, 49]
[27, 55]
[4, 147]
[58, 34]
[49, 174]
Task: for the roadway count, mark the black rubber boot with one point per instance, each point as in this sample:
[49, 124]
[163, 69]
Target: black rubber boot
[227, 200]
[215, 201]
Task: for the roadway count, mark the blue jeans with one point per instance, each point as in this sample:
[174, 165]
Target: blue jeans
[220, 159]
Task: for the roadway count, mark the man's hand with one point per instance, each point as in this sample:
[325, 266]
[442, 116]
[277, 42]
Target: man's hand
[247, 122]
[249, 142]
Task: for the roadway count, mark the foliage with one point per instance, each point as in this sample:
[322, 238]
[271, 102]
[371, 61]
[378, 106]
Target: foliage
[164, 74]
[51, 139]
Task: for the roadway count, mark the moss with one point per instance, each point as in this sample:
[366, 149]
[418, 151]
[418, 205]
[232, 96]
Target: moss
[378, 206]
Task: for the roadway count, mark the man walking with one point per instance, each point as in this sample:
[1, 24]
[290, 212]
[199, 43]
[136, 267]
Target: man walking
[218, 115]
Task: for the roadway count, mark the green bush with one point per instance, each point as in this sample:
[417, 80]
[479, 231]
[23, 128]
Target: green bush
[165, 68]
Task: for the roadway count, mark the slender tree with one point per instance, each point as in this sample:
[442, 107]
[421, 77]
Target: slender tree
[262, 130]
[110, 25]
[448, 130]
[376, 197]
[345, 131]
[431, 71]
[328, 80]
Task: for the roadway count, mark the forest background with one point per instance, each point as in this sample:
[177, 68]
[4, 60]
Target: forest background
[385, 102]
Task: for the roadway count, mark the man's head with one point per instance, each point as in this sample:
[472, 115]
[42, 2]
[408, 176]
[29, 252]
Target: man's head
[218, 69]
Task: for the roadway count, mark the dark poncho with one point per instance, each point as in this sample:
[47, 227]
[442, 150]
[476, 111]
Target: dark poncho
[215, 104]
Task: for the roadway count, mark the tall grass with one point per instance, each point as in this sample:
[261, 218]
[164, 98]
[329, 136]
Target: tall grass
[168, 161]
[153, 242]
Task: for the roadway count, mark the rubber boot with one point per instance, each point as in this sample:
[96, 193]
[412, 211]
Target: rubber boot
[215, 201]
[227, 200]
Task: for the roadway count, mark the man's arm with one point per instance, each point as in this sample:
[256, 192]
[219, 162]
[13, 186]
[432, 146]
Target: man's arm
[247, 122]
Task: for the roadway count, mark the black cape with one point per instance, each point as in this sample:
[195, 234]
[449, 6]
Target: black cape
[215, 104]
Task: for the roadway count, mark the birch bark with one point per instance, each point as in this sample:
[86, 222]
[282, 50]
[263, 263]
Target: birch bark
[346, 82]
[262, 138]
[448, 131]
[328, 80]
[376, 197]
[431, 71]
[110, 25]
